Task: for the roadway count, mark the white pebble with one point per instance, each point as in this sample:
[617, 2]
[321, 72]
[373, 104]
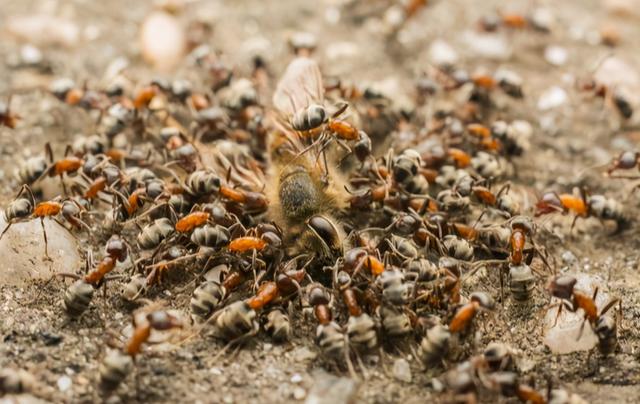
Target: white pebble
[64, 383]
[551, 98]
[442, 54]
[556, 55]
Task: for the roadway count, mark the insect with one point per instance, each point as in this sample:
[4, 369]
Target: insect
[154, 233]
[7, 118]
[598, 206]
[563, 288]
[78, 296]
[434, 346]
[16, 381]
[32, 169]
[521, 282]
[70, 164]
[627, 160]
[329, 335]
[20, 208]
[360, 327]
[462, 319]
[208, 296]
[117, 365]
[304, 187]
[254, 202]
[277, 325]
[235, 321]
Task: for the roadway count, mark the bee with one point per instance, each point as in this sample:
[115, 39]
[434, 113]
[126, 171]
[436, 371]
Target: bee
[154, 233]
[305, 189]
[277, 325]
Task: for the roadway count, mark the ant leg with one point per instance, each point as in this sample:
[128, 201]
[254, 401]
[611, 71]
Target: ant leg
[46, 244]
[64, 186]
[581, 328]
[555, 322]
[253, 268]
[573, 223]
[5, 229]
[609, 305]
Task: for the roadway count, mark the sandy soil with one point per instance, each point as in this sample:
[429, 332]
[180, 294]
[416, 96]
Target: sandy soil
[37, 338]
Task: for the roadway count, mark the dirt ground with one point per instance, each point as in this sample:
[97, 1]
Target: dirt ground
[566, 142]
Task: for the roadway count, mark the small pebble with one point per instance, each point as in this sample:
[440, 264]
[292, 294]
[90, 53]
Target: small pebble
[64, 383]
[553, 97]
[401, 370]
[442, 54]
[569, 258]
[555, 55]
[296, 378]
[299, 393]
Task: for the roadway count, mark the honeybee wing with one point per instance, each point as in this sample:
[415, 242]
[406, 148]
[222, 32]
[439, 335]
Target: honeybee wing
[300, 86]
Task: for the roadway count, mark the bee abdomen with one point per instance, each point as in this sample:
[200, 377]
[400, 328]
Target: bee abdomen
[299, 196]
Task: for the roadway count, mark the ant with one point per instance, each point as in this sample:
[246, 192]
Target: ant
[21, 208]
[7, 118]
[462, 319]
[563, 287]
[69, 164]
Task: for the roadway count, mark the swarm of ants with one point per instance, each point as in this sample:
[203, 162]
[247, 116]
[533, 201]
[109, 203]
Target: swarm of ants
[289, 208]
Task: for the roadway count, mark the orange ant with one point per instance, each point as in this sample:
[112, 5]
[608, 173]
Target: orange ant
[463, 317]
[563, 287]
[7, 118]
[553, 202]
[21, 208]
[69, 164]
